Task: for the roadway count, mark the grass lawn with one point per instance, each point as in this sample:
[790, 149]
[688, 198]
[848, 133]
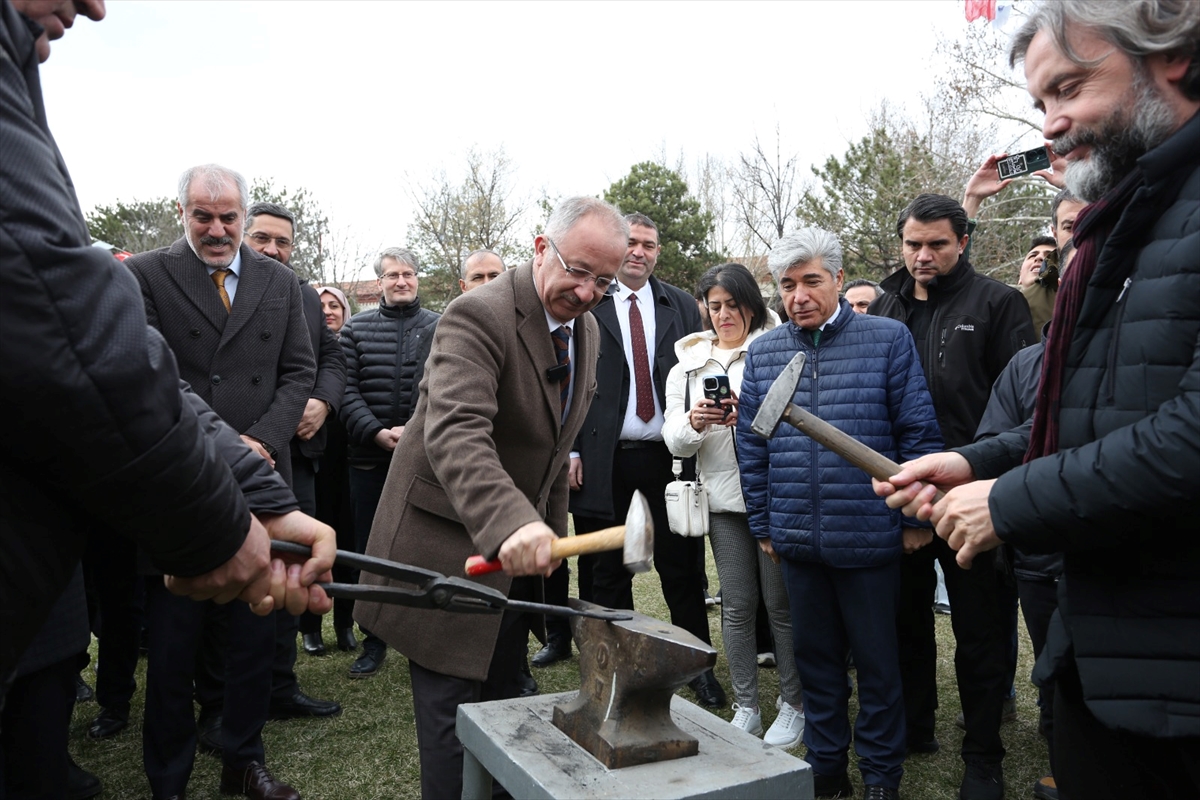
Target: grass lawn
[369, 752]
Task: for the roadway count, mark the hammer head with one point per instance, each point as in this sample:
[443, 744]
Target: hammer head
[639, 535]
[779, 397]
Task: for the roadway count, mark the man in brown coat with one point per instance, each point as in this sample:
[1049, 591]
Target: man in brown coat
[482, 468]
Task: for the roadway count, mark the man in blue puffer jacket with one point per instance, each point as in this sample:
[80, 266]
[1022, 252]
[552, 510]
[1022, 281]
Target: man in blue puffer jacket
[815, 513]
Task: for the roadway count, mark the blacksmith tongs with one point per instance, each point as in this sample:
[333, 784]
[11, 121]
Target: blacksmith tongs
[432, 589]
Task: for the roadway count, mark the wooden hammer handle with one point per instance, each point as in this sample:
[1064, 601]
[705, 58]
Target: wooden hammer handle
[874, 464]
[563, 547]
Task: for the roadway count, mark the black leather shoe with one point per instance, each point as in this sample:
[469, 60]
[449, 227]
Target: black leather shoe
[109, 722]
[81, 784]
[368, 663]
[708, 690]
[345, 640]
[314, 645]
[525, 679]
[83, 692]
[257, 782]
[832, 785]
[881, 793]
[208, 734]
[982, 781]
[925, 746]
[301, 705]
[558, 648]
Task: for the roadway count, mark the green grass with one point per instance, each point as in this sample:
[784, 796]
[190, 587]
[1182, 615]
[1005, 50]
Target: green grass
[369, 752]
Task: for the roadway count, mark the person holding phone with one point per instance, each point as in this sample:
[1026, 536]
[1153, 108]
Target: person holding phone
[696, 424]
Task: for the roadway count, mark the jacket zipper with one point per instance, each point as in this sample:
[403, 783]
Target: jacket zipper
[813, 487]
[1110, 380]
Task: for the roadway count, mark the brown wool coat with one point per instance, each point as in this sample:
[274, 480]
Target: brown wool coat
[484, 454]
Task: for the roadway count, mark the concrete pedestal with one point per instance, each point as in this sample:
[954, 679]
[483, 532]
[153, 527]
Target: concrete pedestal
[515, 742]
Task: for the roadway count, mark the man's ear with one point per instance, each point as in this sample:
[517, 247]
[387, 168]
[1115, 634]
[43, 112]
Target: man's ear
[962, 244]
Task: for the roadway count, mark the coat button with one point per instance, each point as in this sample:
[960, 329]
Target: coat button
[266, 335]
[194, 333]
[216, 379]
[256, 380]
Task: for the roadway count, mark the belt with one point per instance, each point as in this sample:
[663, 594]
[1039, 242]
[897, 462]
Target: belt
[639, 444]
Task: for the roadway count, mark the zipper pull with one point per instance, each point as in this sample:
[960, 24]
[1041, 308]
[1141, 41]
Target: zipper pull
[1124, 288]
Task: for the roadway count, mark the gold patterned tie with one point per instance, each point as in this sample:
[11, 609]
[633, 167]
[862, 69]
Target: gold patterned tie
[218, 278]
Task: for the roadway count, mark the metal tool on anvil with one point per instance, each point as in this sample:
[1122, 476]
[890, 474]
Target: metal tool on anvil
[778, 407]
[628, 673]
[635, 538]
[434, 590]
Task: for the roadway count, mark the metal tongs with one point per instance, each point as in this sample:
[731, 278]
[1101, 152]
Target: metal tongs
[432, 589]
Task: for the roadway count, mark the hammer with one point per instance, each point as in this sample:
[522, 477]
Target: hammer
[777, 407]
[635, 538]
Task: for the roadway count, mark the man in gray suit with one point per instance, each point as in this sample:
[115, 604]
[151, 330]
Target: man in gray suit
[235, 322]
[482, 468]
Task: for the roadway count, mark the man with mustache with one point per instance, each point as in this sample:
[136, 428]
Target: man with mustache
[967, 326]
[235, 322]
[1105, 470]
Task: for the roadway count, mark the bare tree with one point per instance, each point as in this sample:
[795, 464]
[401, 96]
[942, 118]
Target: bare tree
[346, 261]
[765, 193]
[454, 217]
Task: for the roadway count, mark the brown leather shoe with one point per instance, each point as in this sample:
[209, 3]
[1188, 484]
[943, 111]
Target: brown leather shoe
[255, 781]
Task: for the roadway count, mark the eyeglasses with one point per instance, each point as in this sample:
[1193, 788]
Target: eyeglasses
[262, 240]
[607, 286]
[392, 277]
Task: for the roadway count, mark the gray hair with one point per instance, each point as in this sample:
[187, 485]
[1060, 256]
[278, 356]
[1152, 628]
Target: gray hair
[401, 254]
[462, 271]
[271, 210]
[802, 246]
[1139, 29]
[215, 178]
[570, 211]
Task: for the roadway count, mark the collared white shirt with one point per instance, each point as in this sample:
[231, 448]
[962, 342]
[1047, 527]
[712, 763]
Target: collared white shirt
[836, 310]
[554, 325]
[632, 427]
[231, 280]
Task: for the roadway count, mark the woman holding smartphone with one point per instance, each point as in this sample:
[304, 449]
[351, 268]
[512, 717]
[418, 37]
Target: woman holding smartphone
[697, 426]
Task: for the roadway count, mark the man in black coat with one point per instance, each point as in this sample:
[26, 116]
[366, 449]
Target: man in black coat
[234, 320]
[966, 326]
[1105, 471]
[621, 448]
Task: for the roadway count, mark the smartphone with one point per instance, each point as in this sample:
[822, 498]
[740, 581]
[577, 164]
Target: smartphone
[1023, 163]
[716, 388]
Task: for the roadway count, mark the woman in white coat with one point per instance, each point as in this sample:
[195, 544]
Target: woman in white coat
[696, 426]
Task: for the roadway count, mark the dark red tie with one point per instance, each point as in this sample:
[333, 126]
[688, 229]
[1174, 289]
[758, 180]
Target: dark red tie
[643, 388]
[562, 348]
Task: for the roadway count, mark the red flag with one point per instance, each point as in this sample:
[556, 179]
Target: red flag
[981, 8]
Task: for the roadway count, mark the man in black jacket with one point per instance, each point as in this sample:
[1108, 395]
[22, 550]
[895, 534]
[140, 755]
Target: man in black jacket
[967, 327]
[386, 349]
[621, 448]
[271, 230]
[1106, 470]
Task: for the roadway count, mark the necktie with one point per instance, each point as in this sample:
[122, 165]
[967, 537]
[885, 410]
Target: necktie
[643, 389]
[218, 278]
[562, 348]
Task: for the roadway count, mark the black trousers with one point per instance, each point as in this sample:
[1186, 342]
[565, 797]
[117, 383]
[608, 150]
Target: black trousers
[981, 655]
[33, 733]
[332, 486]
[436, 698]
[366, 487]
[110, 569]
[677, 558]
[283, 668]
[1094, 762]
[169, 733]
[1038, 601]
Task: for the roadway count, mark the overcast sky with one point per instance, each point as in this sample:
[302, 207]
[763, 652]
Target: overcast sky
[353, 100]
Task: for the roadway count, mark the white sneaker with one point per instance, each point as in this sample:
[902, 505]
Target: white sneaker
[766, 659]
[787, 728]
[748, 719]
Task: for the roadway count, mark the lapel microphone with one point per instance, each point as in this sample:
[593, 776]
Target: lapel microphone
[558, 373]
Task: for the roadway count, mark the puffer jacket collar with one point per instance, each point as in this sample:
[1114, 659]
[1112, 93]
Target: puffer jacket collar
[406, 311]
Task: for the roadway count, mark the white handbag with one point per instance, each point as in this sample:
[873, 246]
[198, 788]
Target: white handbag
[687, 504]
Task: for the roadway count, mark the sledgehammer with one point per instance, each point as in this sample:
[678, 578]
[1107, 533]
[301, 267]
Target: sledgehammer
[635, 538]
[777, 407]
